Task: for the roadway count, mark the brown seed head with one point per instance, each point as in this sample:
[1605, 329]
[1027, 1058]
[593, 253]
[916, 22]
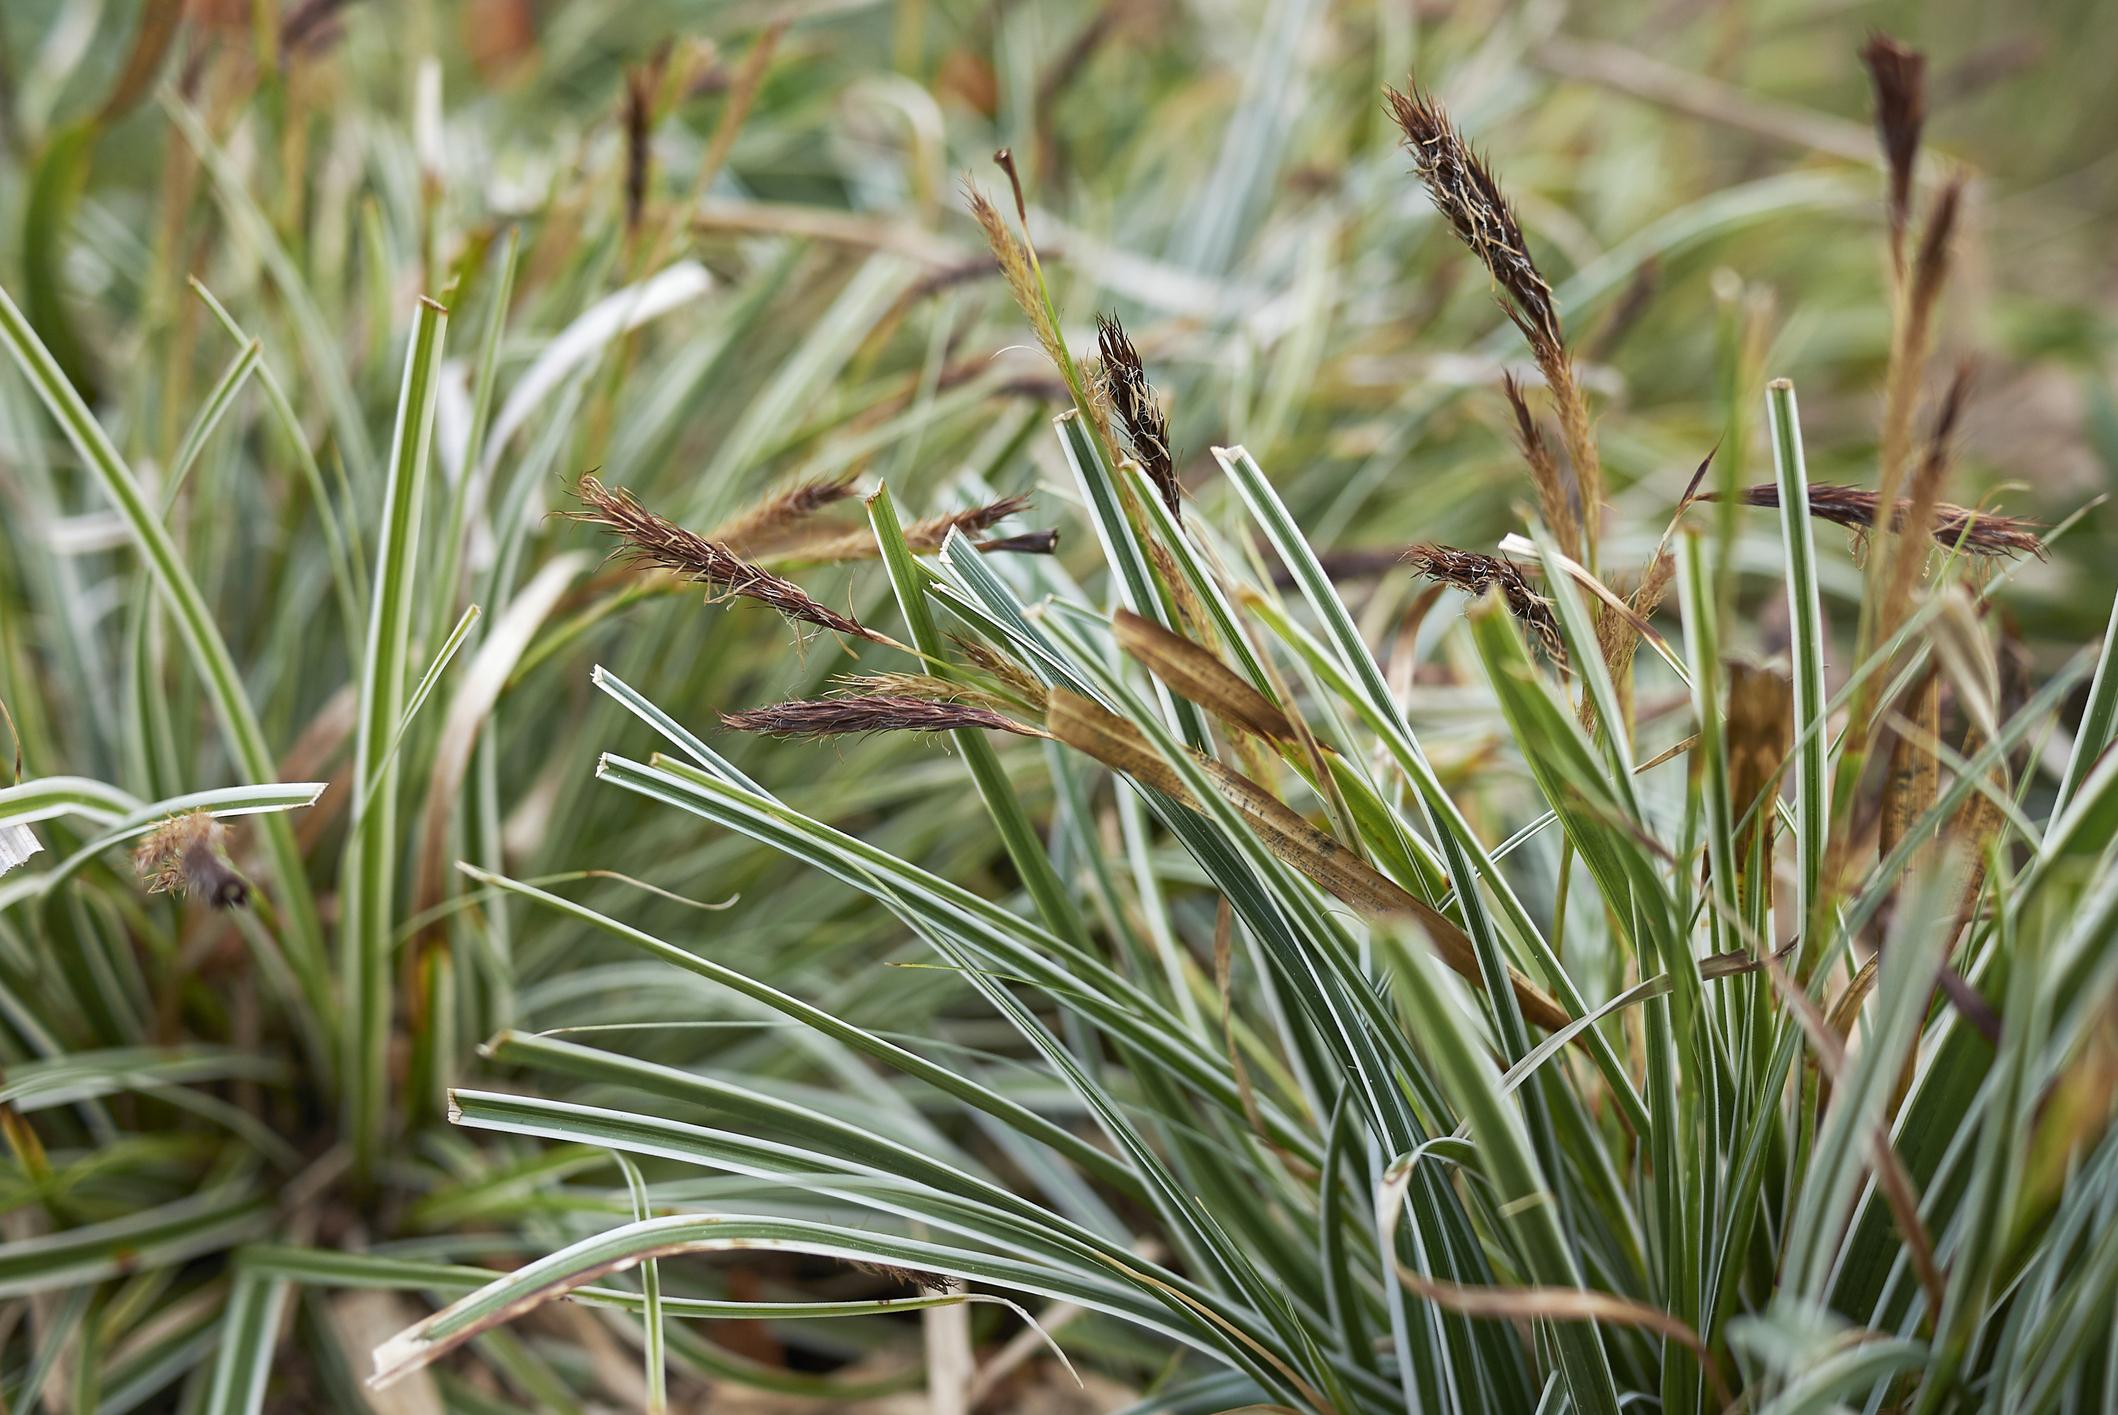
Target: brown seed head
[639, 102]
[782, 513]
[1012, 254]
[927, 687]
[925, 537]
[1964, 528]
[189, 854]
[840, 717]
[1899, 77]
[1133, 399]
[1760, 725]
[907, 1277]
[1470, 571]
[1469, 198]
[1010, 675]
[1555, 500]
[654, 542]
[1930, 267]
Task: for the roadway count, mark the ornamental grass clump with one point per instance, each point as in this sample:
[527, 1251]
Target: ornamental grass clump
[1429, 895]
[1638, 1068]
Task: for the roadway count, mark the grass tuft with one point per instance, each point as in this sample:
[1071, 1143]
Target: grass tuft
[1200, 974]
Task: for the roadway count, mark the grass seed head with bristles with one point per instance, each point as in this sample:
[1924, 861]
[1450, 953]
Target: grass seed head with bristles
[781, 514]
[1474, 573]
[904, 1277]
[188, 855]
[1012, 677]
[1620, 634]
[1963, 528]
[1012, 255]
[1899, 77]
[655, 542]
[926, 537]
[927, 687]
[1132, 398]
[1653, 589]
[817, 718]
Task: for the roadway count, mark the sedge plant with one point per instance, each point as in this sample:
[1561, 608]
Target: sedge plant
[1656, 957]
[1336, 1099]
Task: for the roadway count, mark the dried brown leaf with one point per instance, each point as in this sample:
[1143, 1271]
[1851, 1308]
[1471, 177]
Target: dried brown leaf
[1194, 672]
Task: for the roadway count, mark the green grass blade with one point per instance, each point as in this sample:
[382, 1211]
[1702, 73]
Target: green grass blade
[2099, 720]
[949, 1081]
[163, 1236]
[1509, 1164]
[249, 1333]
[651, 1346]
[421, 690]
[1806, 644]
[485, 377]
[700, 1234]
[369, 869]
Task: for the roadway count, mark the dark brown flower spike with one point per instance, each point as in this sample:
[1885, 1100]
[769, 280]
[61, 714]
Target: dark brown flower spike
[1899, 77]
[1930, 266]
[1471, 201]
[1962, 528]
[1132, 398]
[188, 854]
[1475, 573]
[639, 101]
[650, 541]
[935, 529]
[1028, 543]
[842, 717]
